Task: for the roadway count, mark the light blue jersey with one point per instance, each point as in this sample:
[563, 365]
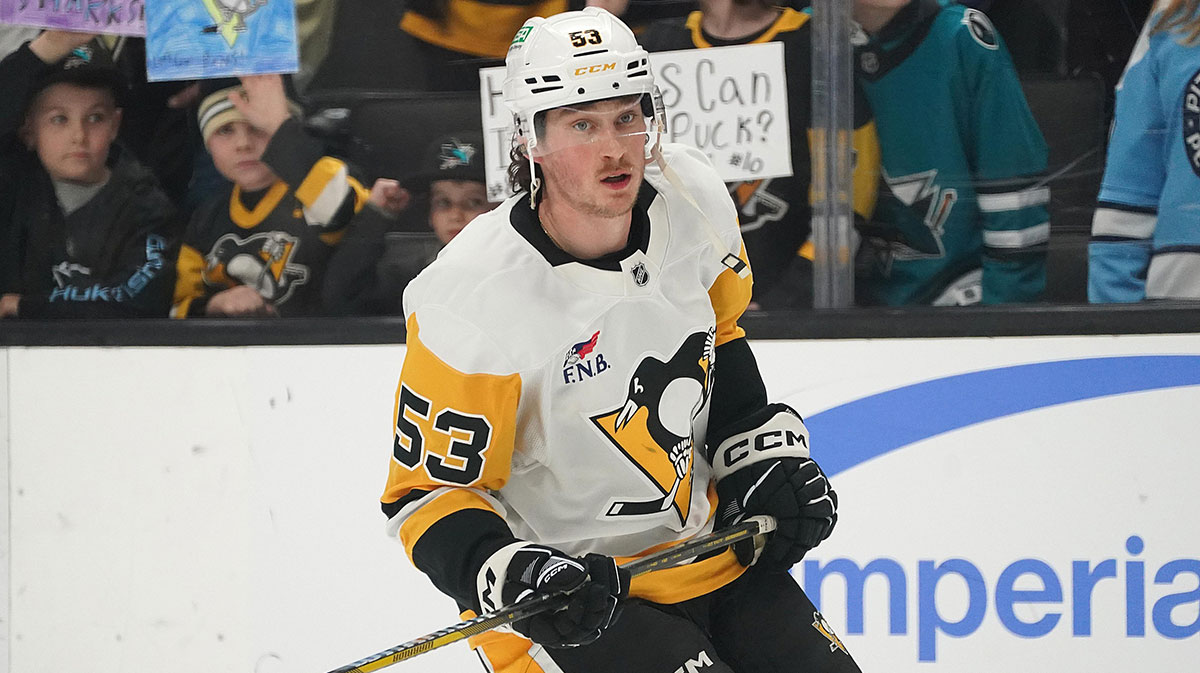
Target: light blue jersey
[1146, 231]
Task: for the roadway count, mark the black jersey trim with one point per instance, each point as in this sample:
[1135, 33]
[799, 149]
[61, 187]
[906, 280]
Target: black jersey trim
[525, 221]
[391, 509]
[911, 25]
[1113, 205]
[1176, 249]
[453, 549]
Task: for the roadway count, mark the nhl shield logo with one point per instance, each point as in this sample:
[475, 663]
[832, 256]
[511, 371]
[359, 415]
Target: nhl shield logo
[640, 275]
[869, 62]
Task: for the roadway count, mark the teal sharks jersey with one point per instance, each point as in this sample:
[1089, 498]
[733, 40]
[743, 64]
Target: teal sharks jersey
[962, 216]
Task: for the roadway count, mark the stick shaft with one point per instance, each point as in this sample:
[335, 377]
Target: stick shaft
[663, 559]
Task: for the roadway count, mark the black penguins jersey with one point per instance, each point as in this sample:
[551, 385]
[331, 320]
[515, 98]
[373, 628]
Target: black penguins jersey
[280, 243]
[774, 213]
[564, 402]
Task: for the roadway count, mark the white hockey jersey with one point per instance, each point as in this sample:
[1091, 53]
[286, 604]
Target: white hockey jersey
[571, 398]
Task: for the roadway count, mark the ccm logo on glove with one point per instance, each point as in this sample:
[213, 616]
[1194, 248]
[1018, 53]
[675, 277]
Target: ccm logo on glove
[782, 435]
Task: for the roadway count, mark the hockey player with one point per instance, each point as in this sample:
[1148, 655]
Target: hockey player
[1146, 232]
[577, 393]
[963, 220]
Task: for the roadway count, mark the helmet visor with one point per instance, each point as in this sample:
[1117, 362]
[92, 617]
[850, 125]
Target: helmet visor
[627, 121]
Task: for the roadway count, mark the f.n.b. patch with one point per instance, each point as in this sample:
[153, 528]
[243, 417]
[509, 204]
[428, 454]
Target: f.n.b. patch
[583, 361]
[981, 29]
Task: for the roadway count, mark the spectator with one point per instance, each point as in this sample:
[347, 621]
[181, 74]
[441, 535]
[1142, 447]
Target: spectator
[774, 213]
[85, 231]
[963, 219]
[1146, 231]
[367, 277]
[261, 248]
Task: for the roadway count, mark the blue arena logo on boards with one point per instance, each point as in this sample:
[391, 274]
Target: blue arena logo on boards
[976, 397]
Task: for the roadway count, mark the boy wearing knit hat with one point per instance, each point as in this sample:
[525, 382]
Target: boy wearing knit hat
[85, 230]
[261, 247]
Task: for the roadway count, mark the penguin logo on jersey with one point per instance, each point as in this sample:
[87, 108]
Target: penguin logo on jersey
[262, 261]
[653, 427]
[1191, 123]
[756, 206]
[826, 630]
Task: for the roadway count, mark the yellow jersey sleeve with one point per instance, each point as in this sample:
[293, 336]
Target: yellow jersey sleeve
[453, 441]
[730, 295]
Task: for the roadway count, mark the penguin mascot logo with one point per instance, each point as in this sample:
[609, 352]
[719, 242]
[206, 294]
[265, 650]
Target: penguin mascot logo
[262, 261]
[653, 428]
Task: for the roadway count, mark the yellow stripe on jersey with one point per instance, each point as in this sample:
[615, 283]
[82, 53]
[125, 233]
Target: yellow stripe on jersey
[477, 28]
[248, 219]
[189, 281]
[789, 20]
[326, 188]
[505, 652]
[451, 429]
[449, 502]
[730, 295]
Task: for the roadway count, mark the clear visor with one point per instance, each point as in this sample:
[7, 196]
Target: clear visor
[618, 125]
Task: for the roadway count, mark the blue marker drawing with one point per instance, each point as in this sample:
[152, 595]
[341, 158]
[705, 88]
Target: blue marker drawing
[194, 39]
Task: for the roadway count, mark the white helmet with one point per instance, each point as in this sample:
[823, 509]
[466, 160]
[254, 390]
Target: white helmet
[572, 58]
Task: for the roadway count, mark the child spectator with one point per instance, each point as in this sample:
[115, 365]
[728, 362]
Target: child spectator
[964, 218]
[774, 213]
[261, 247]
[85, 231]
[1146, 231]
[371, 277]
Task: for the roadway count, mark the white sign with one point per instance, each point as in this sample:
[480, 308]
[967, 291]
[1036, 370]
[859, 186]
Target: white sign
[729, 102]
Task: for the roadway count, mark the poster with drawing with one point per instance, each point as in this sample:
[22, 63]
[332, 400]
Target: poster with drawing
[193, 39]
[112, 17]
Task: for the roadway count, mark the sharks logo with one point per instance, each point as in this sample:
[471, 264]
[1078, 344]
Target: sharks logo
[455, 154]
[653, 427]
[262, 261]
[916, 209]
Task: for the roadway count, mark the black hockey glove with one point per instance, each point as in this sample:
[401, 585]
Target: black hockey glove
[762, 467]
[520, 570]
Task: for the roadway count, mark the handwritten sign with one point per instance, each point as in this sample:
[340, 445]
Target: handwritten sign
[113, 17]
[728, 102]
[192, 39]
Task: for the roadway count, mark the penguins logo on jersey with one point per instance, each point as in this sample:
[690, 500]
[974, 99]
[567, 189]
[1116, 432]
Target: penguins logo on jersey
[826, 630]
[981, 29]
[262, 261]
[755, 205]
[1191, 123]
[653, 426]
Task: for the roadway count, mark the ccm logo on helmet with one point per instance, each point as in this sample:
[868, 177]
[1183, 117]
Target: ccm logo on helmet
[591, 70]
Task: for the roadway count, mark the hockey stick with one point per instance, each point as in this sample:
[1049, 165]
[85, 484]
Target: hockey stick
[757, 525]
